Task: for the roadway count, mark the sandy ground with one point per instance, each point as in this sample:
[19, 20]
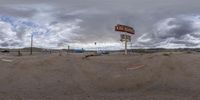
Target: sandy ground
[158, 76]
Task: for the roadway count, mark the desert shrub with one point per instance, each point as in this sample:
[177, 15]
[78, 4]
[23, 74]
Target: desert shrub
[189, 52]
[166, 54]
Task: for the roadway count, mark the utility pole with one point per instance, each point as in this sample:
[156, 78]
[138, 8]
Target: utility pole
[95, 43]
[68, 49]
[31, 45]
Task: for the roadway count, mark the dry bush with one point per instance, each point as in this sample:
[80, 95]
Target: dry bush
[166, 54]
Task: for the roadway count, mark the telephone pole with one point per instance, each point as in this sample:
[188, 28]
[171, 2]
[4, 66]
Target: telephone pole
[31, 52]
[68, 49]
[95, 43]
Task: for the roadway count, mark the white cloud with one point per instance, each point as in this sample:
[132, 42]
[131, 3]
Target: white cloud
[62, 22]
[19, 30]
[177, 32]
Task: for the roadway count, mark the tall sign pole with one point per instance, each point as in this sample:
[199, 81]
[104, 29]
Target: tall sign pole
[126, 41]
[31, 45]
[125, 37]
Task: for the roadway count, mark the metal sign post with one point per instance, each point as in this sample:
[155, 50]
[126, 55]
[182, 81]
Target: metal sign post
[125, 37]
[126, 41]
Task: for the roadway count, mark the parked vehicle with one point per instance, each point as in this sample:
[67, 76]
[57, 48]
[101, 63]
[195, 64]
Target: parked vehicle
[5, 51]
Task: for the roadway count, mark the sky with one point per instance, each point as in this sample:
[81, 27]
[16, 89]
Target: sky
[81, 23]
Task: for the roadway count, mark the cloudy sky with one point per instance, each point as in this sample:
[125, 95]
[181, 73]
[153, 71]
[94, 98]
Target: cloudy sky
[80, 23]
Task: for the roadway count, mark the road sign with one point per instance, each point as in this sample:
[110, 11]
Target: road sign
[124, 28]
[125, 37]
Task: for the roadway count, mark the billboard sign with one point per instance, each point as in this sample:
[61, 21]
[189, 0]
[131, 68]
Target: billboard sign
[124, 28]
[125, 37]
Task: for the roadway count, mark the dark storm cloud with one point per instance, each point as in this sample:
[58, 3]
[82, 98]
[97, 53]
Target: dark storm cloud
[180, 28]
[16, 12]
[5, 44]
[98, 17]
[182, 31]
[10, 44]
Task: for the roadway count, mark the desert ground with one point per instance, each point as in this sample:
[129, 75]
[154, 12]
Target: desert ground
[138, 76]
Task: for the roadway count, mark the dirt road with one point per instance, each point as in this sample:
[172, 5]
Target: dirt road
[158, 76]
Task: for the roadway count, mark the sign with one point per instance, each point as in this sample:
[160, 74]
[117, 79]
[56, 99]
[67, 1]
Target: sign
[124, 28]
[125, 37]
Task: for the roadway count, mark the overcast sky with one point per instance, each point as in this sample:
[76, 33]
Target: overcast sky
[80, 23]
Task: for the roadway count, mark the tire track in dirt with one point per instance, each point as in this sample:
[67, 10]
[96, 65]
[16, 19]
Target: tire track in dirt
[80, 78]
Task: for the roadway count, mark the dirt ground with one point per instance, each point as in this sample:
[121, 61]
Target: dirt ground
[156, 76]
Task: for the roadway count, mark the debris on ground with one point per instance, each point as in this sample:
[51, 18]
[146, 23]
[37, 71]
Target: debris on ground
[6, 60]
[135, 67]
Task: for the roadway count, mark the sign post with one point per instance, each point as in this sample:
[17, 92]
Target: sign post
[126, 41]
[125, 37]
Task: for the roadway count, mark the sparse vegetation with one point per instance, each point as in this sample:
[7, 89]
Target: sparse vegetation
[166, 54]
[69, 74]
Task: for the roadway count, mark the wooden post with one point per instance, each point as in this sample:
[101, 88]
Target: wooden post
[19, 53]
